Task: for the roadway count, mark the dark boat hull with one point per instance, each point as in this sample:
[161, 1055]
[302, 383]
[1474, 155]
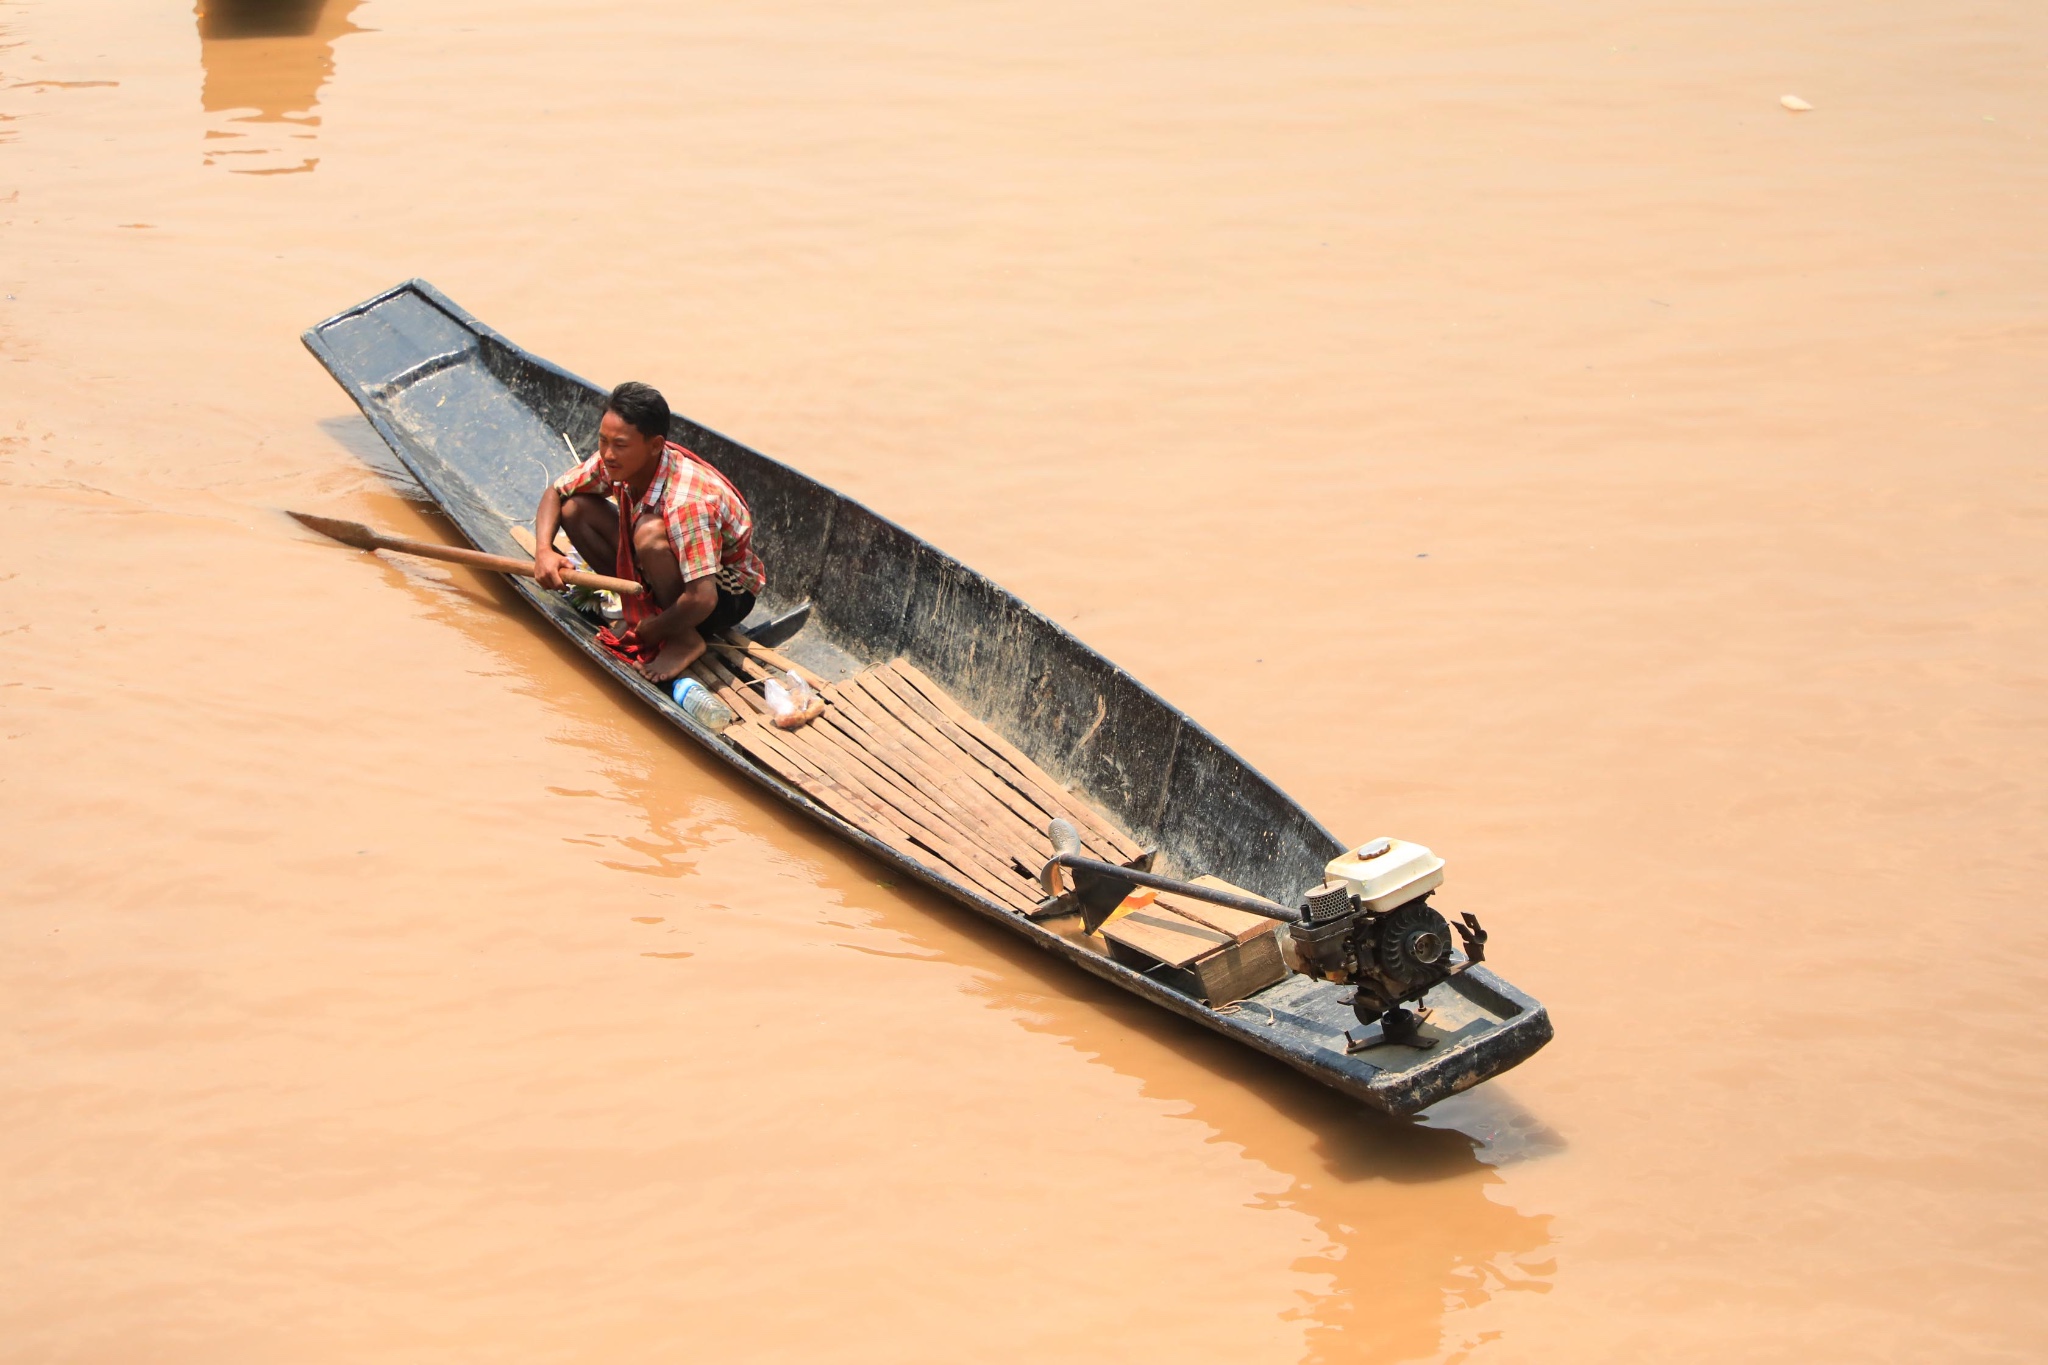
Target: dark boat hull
[481, 423]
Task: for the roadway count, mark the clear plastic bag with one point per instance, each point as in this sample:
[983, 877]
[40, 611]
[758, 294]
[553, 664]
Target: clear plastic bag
[790, 698]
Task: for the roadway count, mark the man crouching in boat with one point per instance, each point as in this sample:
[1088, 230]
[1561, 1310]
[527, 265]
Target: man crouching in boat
[671, 523]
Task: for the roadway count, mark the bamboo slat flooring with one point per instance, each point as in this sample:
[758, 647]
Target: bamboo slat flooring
[896, 756]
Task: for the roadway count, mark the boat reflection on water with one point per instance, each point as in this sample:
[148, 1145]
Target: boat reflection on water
[265, 62]
[1412, 1239]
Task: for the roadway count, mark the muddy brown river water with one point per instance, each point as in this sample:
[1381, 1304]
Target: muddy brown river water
[1508, 426]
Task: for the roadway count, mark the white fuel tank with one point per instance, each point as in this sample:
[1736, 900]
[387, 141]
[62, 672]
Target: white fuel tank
[1385, 873]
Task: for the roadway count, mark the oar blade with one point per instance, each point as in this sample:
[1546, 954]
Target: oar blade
[347, 532]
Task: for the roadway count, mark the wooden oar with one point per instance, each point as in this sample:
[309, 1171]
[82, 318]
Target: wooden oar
[363, 538]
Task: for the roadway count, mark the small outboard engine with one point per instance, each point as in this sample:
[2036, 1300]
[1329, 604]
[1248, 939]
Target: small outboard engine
[1370, 925]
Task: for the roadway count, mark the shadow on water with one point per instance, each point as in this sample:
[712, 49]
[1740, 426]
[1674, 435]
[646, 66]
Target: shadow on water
[355, 435]
[265, 62]
[1410, 1231]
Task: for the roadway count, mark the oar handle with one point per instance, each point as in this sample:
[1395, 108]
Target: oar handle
[625, 587]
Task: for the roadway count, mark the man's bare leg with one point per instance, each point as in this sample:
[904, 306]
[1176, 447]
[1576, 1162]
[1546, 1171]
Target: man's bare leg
[593, 526]
[683, 605]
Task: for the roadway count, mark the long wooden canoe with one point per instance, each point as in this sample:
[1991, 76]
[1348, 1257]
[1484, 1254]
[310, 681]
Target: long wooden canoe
[959, 720]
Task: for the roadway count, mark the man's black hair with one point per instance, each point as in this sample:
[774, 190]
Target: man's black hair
[642, 407]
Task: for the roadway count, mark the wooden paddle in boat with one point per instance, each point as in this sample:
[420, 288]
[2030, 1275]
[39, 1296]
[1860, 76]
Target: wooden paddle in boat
[363, 538]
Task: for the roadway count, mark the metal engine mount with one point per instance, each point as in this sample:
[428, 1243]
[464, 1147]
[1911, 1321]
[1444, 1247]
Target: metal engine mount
[1379, 933]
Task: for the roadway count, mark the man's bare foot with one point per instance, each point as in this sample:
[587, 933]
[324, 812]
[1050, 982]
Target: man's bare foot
[674, 658]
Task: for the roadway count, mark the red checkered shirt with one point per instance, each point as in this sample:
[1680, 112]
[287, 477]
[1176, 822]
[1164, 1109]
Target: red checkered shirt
[708, 522]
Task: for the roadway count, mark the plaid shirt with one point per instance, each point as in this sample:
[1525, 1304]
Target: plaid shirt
[709, 524]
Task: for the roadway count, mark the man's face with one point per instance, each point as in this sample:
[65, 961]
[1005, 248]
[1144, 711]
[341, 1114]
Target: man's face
[627, 453]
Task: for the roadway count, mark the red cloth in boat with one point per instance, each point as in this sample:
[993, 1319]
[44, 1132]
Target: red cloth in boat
[636, 606]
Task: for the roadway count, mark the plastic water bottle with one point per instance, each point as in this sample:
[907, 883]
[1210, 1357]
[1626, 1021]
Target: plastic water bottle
[701, 705]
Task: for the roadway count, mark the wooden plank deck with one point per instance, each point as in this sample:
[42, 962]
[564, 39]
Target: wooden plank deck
[894, 755]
